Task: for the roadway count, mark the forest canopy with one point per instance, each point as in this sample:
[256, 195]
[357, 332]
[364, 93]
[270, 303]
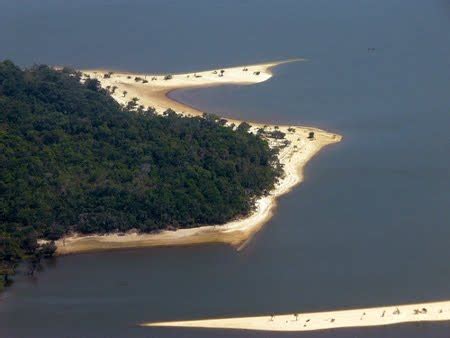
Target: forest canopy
[73, 160]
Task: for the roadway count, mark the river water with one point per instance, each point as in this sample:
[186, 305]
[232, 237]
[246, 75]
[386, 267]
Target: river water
[369, 226]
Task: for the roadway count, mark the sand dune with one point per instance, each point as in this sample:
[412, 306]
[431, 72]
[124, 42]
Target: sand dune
[377, 316]
[154, 94]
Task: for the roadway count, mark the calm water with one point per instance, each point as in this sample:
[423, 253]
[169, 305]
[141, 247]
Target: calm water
[369, 226]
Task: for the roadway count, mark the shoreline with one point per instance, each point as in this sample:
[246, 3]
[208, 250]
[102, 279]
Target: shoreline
[350, 318]
[154, 93]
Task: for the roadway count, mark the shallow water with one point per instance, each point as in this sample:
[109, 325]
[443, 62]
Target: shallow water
[370, 224]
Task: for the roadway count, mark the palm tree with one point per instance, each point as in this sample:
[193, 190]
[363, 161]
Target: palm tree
[125, 93]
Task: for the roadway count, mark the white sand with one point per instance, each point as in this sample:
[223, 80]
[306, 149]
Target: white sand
[377, 316]
[154, 93]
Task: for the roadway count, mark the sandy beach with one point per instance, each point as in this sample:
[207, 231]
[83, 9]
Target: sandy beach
[152, 91]
[376, 316]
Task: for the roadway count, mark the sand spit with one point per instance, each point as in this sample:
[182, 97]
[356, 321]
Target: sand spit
[151, 90]
[377, 316]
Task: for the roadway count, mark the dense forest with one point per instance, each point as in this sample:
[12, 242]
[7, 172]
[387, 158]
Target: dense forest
[73, 160]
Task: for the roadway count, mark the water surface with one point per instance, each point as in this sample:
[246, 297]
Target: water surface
[370, 224]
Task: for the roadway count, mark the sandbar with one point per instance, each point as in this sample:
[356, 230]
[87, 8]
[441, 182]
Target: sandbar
[375, 316]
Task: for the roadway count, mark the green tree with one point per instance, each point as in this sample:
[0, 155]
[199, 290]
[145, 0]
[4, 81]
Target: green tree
[74, 160]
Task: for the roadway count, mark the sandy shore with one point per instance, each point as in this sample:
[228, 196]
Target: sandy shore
[377, 316]
[152, 91]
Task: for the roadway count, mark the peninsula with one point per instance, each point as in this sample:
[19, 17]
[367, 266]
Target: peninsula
[297, 146]
[100, 160]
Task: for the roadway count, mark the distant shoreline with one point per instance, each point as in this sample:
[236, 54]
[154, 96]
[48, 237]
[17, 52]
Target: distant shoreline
[154, 93]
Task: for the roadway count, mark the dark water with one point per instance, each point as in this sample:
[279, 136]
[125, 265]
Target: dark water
[369, 226]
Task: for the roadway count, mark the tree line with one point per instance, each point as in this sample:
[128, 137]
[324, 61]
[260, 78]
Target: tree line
[73, 160]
